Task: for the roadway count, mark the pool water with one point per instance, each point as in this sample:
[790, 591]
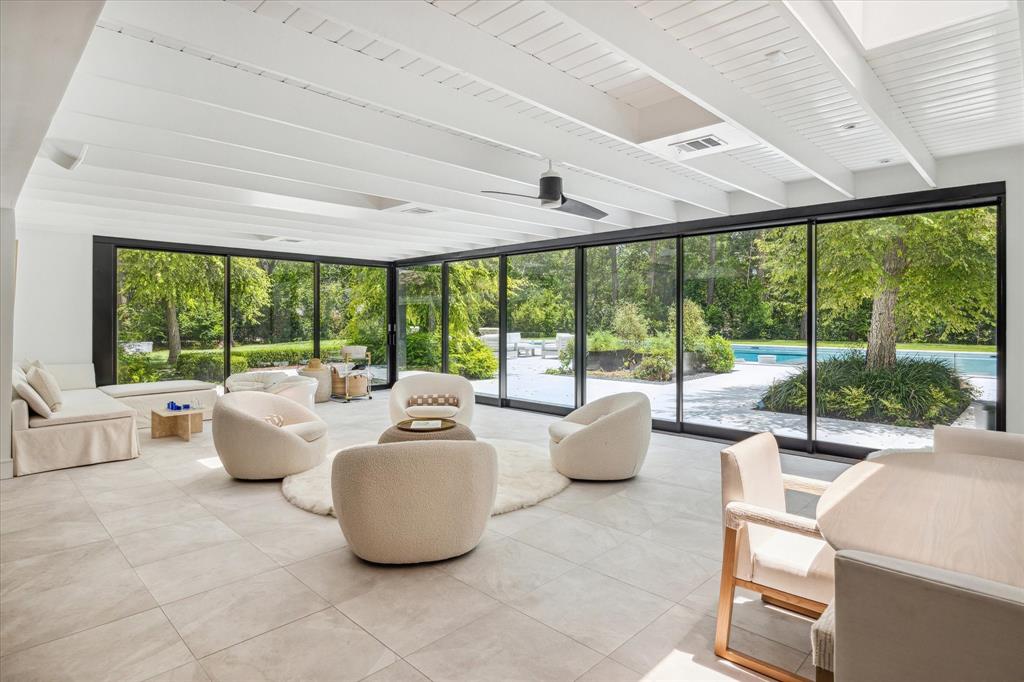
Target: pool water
[967, 363]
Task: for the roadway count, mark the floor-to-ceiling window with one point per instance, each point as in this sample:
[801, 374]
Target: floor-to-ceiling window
[541, 327]
[353, 311]
[473, 334]
[631, 322]
[419, 319]
[906, 332]
[745, 329]
[170, 316]
[271, 313]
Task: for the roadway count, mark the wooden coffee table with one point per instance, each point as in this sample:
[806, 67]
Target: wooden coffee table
[180, 423]
[449, 430]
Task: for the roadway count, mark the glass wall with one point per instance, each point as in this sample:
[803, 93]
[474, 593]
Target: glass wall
[353, 311]
[745, 330]
[170, 316]
[906, 326]
[473, 323]
[631, 322]
[419, 319]
[541, 324]
[271, 313]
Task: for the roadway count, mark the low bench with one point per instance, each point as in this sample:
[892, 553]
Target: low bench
[148, 396]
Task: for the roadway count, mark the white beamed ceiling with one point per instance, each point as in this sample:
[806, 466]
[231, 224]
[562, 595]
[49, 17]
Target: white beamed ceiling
[235, 122]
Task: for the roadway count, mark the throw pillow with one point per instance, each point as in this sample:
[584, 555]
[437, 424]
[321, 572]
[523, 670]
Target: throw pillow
[35, 402]
[46, 386]
[433, 399]
[275, 419]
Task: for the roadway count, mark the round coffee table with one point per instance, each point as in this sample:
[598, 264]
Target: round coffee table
[450, 430]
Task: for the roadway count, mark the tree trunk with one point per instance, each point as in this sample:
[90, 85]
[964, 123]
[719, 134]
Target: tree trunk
[712, 255]
[882, 334]
[615, 274]
[173, 333]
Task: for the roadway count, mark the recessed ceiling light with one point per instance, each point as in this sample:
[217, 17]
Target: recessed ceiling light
[776, 57]
[849, 126]
[884, 160]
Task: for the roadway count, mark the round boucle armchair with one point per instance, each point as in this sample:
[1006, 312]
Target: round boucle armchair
[301, 389]
[432, 383]
[405, 503]
[605, 440]
[252, 447]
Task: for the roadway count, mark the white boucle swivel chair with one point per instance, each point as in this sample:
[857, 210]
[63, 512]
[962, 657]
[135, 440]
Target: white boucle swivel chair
[605, 440]
[252, 448]
[415, 501]
[432, 383]
[301, 389]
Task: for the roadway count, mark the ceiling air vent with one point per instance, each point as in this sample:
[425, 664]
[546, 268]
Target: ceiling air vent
[416, 210]
[284, 240]
[698, 144]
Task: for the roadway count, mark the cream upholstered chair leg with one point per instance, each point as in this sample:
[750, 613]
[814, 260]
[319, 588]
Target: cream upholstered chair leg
[753, 495]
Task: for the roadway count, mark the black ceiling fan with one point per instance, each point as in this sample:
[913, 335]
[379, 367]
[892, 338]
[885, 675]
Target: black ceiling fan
[550, 194]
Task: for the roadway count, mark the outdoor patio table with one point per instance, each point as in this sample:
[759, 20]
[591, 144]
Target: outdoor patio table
[959, 512]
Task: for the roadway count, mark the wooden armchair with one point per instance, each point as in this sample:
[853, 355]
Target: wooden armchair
[766, 549]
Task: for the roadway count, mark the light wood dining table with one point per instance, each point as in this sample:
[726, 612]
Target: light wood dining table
[954, 511]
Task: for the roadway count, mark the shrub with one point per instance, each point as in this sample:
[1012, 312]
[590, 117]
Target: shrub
[915, 392]
[566, 356]
[602, 340]
[269, 356]
[207, 365]
[423, 351]
[470, 357]
[655, 367]
[630, 325]
[717, 354]
[136, 368]
[695, 329]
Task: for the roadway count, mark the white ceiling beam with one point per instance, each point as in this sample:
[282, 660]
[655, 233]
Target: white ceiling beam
[815, 24]
[174, 190]
[228, 31]
[435, 35]
[220, 163]
[42, 42]
[626, 30]
[129, 60]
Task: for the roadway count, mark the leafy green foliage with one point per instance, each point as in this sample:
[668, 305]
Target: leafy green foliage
[207, 365]
[655, 367]
[136, 368]
[423, 351]
[630, 325]
[916, 392]
[717, 354]
[470, 357]
[695, 329]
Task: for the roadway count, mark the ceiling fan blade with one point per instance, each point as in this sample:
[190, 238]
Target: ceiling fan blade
[580, 209]
[507, 194]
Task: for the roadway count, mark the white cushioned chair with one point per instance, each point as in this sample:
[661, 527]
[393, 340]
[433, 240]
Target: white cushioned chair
[252, 448]
[404, 503]
[432, 383]
[969, 442]
[767, 549]
[605, 440]
[301, 389]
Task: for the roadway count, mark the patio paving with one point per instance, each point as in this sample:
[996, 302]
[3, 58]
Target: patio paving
[728, 400]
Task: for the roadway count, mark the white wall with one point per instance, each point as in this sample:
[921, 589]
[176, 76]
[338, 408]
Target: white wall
[53, 299]
[6, 336]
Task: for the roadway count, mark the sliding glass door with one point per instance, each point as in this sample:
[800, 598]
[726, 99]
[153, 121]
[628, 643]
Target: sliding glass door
[271, 313]
[631, 322]
[418, 319]
[744, 326]
[473, 323]
[353, 312]
[540, 342]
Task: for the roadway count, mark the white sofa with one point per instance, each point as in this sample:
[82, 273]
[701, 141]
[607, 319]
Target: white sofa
[252, 448]
[301, 389]
[605, 440]
[432, 383]
[146, 397]
[404, 503]
[90, 427]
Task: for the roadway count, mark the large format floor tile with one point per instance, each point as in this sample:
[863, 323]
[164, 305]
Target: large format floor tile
[128, 650]
[147, 546]
[571, 538]
[504, 645]
[183, 575]
[593, 609]
[50, 537]
[416, 610]
[323, 646]
[665, 571]
[505, 568]
[47, 571]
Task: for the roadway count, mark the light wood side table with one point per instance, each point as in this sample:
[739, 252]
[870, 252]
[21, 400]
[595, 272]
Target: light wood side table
[180, 423]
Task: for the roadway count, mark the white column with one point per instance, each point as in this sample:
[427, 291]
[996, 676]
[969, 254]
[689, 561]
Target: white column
[8, 259]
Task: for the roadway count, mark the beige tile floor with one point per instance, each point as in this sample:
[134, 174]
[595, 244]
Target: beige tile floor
[164, 568]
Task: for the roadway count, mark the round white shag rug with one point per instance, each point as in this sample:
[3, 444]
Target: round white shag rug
[525, 477]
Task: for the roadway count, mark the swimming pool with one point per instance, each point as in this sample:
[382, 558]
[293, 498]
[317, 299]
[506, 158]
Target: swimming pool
[967, 363]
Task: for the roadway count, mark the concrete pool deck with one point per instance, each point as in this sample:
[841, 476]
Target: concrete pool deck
[728, 400]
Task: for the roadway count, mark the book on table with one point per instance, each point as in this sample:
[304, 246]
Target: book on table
[425, 424]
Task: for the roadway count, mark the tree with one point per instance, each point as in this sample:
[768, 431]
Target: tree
[919, 272]
[175, 285]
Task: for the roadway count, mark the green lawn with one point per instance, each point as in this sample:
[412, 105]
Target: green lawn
[853, 344]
